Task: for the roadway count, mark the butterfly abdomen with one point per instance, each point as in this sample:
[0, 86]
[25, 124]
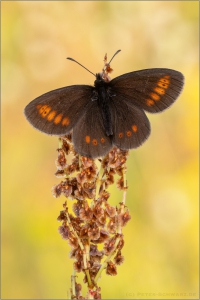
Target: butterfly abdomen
[103, 104]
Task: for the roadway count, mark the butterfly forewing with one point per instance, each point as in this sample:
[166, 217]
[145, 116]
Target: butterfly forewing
[152, 90]
[89, 136]
[131, 126]
[57, 112]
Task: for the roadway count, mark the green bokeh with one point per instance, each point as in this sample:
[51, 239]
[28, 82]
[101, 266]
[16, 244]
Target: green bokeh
[161, 240]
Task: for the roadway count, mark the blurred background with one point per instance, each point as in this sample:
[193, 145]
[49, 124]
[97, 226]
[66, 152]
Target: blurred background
[161, 240]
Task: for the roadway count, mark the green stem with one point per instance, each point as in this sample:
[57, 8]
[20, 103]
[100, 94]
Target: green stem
[87, 250]
[103, 266]
[98, 181]
[72, 229]
[124, 177]
[89, 279]
[60, 143]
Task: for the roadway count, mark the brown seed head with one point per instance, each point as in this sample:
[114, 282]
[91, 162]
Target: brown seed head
[93, 232]
[78, 266]
[86, 213]
[118, 259]
[109, 245]
[64, 232]
[76, 207]
[62, 216]
[111, 269]
[111, 210]
[61, 161]
[112, 225]
[104, 235]
[124, 218]
[57, 190]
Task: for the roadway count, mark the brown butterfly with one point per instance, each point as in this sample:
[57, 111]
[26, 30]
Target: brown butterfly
[110, 113]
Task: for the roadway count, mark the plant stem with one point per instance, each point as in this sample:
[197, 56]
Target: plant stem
[76, 235]
[98, 181]
[107, 260]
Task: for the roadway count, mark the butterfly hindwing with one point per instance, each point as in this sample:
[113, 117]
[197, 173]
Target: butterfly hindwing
[152, 89]
[89, 136]
[131, 126]
[57, 111]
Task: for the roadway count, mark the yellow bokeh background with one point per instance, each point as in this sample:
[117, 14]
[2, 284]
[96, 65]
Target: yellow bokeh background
[161, 240]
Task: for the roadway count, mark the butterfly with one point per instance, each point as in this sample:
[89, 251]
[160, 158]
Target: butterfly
[110, 113]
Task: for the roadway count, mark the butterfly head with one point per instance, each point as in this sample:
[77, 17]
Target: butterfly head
[99, 80]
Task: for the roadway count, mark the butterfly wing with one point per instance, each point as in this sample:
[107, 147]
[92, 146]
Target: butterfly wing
[57, 111]
[89, 136]
[152, 89]
[131, 126]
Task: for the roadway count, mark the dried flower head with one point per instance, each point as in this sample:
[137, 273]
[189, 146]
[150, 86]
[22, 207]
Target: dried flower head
[109, 179]
[57, 190]
[112, 225]
[89, 188]
[93, 231]
[84, 232]
[104, 196]
[98, 209]
[111, 210]
[60, 173]
[73, 242]
[101, 220]
[61, 161]
[62, 216]
[119, 259]
[95, 254]
[109, 245]
[76, 207]
[87, 162]
[120, 245]
[104, 235]
[64, 232]
[111, 269]
[78, 266]
[86, 212]
[124, 218]
[78, 289]
[120, 183]
[66, 144]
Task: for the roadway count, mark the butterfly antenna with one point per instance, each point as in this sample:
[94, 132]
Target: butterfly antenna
[81, 65]
[114, 56]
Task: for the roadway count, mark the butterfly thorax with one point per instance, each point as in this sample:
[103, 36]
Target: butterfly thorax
[103, 99]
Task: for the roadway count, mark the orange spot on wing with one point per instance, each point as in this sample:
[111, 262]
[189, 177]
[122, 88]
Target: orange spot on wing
[65, 121]
[159, 90]
[163, 85]
[149, 102]
[58, 119]
[46, 111]
[94, 142]
[43, 110]
[155, 97]
[102, 140]
[128, 133]
[120, 135]
[51, 115]
[134, 128]
[164, 82]
[87, 139]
